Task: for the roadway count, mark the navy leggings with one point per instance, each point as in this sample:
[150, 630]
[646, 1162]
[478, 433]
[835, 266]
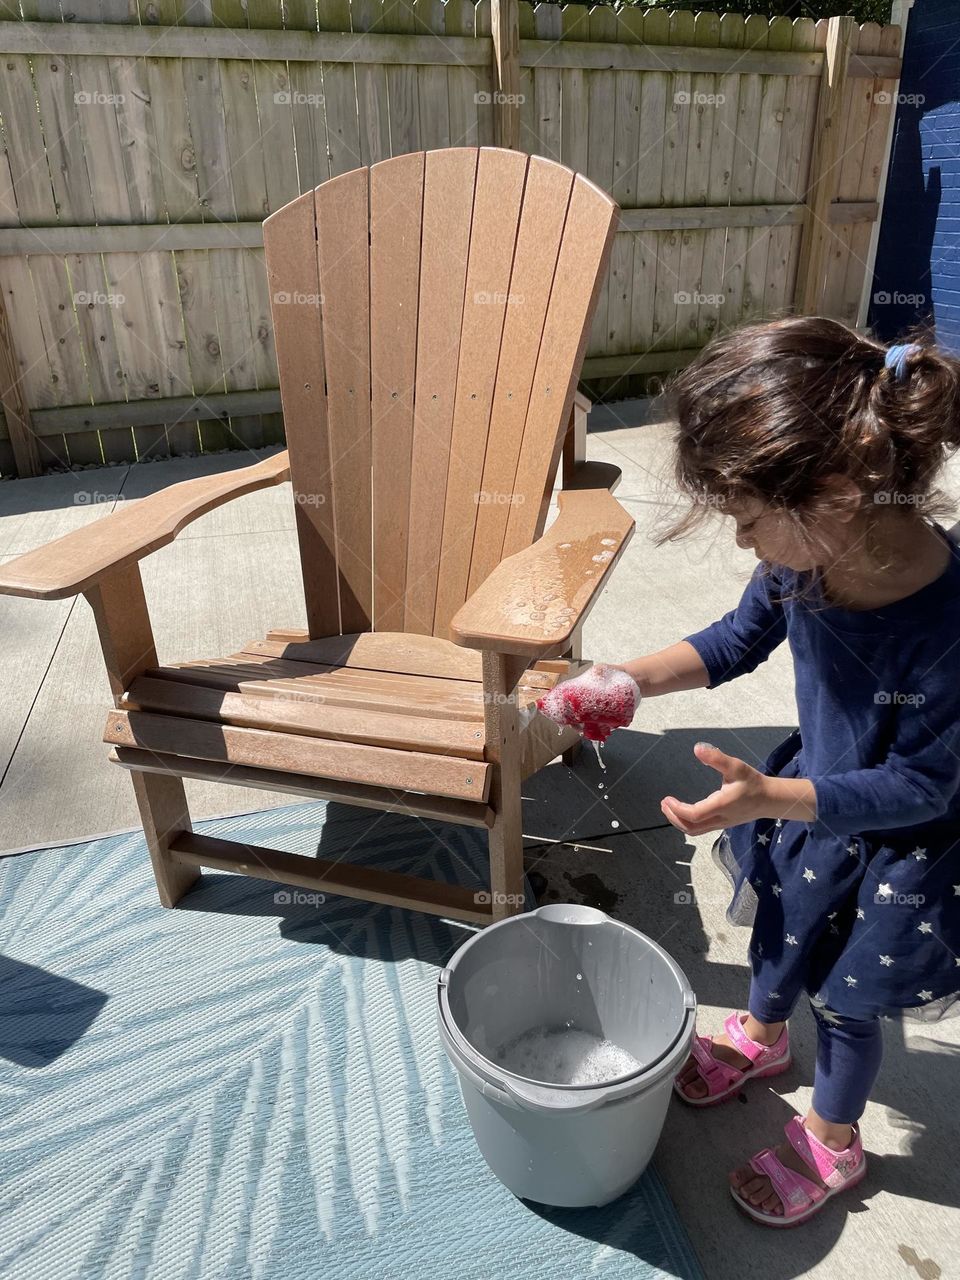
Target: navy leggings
[848, 1060]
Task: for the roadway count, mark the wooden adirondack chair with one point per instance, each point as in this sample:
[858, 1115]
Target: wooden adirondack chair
[431, 315]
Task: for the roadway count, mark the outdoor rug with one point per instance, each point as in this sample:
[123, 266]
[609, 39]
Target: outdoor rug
[252, 1085]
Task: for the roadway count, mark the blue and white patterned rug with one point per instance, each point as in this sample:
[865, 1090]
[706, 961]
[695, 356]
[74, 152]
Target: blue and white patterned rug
[247, 1087]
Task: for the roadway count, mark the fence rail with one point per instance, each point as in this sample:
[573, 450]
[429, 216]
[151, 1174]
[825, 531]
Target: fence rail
[144, 146]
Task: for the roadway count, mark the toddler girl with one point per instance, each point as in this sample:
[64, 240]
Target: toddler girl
[844, 851]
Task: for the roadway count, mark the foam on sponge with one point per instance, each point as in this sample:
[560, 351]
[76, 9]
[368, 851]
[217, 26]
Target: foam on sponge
[595, 703]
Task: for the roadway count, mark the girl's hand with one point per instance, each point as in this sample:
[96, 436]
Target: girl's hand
[742, 796]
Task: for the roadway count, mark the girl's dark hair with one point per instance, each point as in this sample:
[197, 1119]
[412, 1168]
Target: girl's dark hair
[768, 411]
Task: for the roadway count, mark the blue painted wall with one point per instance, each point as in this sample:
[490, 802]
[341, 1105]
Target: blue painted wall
[917, 276]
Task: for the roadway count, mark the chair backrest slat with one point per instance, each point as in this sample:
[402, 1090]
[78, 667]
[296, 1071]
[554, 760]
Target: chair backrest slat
[396, 214]
[343, 250]
[294, 284]
[538, 242]
[449, 182]
[426, 390]
[587, 236]
[493, 238]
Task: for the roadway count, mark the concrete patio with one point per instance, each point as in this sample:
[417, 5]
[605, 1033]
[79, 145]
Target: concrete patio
[598, 837]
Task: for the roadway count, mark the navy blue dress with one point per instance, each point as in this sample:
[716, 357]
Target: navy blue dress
[861, 908]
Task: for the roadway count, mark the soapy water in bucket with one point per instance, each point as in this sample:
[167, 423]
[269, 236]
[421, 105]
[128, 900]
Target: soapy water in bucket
[565, 1056]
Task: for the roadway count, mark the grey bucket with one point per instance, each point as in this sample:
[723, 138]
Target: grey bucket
[567, 1145]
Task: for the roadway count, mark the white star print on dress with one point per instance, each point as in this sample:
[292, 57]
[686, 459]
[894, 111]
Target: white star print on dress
[809, 876]
[919, 854]
[886, 961]
[851, 982]
[763, 839]
[925, 927]
[924, 995]
[790, 940]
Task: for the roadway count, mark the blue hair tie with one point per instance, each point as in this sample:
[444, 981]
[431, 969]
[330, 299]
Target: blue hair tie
[896, 357]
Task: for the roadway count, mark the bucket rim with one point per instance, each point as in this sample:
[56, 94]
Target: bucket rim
[549, 1095]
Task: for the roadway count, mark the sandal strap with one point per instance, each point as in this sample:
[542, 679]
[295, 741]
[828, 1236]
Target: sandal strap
[796, 1192]
[716, 1075]
[751, 1049]
[833, 1167]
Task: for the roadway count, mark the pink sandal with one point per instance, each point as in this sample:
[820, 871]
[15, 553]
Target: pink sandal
[801, 1198]
[722, 1080]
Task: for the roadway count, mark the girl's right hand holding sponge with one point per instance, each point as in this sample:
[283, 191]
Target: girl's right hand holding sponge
[595, 703]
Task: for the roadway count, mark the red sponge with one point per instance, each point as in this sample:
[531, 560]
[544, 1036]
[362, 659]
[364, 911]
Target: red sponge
[597, 702]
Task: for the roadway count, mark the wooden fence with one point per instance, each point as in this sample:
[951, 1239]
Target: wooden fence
[144, 146]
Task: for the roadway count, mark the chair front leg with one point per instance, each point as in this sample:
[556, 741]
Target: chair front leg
[501, 674]
[126, 637]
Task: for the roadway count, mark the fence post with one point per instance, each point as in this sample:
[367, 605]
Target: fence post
[22, 438]
[505, 30]
[824, 176]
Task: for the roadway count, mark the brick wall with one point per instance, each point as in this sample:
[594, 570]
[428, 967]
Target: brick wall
[917, 273]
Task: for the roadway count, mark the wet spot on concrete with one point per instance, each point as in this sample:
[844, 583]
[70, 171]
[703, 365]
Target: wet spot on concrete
[925, 1268]
[594, 891]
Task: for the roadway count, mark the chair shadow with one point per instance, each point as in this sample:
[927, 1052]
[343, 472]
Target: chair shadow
[729, 1135]
[42, 1014]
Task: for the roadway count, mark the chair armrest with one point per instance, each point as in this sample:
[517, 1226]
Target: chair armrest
[532, 601]
[76, 561]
